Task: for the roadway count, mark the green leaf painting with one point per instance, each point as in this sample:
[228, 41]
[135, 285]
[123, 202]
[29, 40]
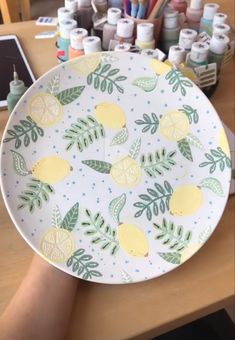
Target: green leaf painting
[213, 184]
[178, 81]
[135, 148]
[56, 217]
[53, 86]
[100, 232]
[216, 159]
[194, 141]
[185, 149]
[191, 113]
[126, 278]
[149, 123]
[100, 166]
[36, 193]
[23, 133]
[106, 79]
[156, 164]
[171, 257]
[121, 137]
[19, 164]
[205, 234]
[83, 133]
[71, 218]
[147, 84]
[173, 236]
[116, 206]
[69, 95]
[83, 265]
[154, 200]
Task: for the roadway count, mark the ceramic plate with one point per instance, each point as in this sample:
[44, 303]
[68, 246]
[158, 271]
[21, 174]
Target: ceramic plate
[115, 168]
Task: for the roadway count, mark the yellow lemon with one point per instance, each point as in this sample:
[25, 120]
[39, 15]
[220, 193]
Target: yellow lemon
[110, 115]
[189, 251]
[57, 244]
[174, 125]
[133, 240]
[126, 172]
[51, 169]
[45, 109]
[186, 200]
[87, 64]
[223, 142]
[159, 67]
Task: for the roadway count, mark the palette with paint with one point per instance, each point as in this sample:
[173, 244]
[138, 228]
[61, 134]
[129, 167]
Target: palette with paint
[115, 167]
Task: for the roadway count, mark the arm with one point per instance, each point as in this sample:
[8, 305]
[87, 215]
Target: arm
[41, 308]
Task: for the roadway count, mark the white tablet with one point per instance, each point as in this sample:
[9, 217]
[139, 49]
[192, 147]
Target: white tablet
[11, 53]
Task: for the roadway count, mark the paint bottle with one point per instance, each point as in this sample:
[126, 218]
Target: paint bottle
[115, 3]
[170, 30]
[198, 55]
[176, 55]
[17, 89]
[221, 29]
[220, 18]
[206, 22]
[145, 33]
[76, 42]
[218, 47]
[194, 14]
[72, 5]
[66, 26]
[125, 31]
[110, 28]
[187, 38]
[64, 13]
[101, 6]
[92, 44]
[125, 47]
[85, 13]
[179, 5]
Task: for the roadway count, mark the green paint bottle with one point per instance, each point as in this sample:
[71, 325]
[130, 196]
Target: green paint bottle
[17, 89]
[218, 46]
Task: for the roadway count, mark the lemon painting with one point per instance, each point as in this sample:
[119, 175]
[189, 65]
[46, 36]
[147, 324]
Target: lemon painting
[115, 168]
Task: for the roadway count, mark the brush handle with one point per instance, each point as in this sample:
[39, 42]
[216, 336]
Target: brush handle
[157, 8]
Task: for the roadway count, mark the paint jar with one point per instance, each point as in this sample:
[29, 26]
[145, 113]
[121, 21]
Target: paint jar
[110, 28]
[206, 22]
[101, 6]
[194, 14]
[170, 30]
[220, 18]
[176, 55]
[125, 47]
[218, 46]
[125, 31]
[187, 38]
[179, 5]
[145, 36]
[76, 42]
[66, 26]
[85, 13]
[92, 44]
[198, 55]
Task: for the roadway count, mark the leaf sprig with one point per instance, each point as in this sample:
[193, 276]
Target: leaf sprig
[178, 81]
[83, 266]
[216, 157]
[191, 113]
[23, 133]
[101, 232]
[156, 164]
[156, 199]
[172, 235]
[83, 133]
[149, 122]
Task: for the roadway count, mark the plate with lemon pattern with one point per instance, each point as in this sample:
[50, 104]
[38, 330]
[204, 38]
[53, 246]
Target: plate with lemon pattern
[115, 167]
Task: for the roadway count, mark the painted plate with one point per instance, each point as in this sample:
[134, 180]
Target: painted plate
[115, 168]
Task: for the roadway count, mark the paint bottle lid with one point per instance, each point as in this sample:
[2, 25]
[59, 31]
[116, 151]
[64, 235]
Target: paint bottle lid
[150, 53]
[176, 54]
[91, 44]
[221, 28]
[219, 43]
[145, 32]
[210, 10]
[76, 37]
[199, 52]
[187, 37]
[114, 14]
[66, 26]
[71, 4]
[64, 13]
[125, 28]
[171, 18]
[196, 4]
[220, 18]
[84, 3]
[125, 47]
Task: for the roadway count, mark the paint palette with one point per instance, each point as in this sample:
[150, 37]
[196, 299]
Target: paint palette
[115, 168]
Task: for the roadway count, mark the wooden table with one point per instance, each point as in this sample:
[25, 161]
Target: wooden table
[202, 285]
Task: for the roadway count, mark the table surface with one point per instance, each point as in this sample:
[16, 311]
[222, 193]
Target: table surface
[202, 285]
